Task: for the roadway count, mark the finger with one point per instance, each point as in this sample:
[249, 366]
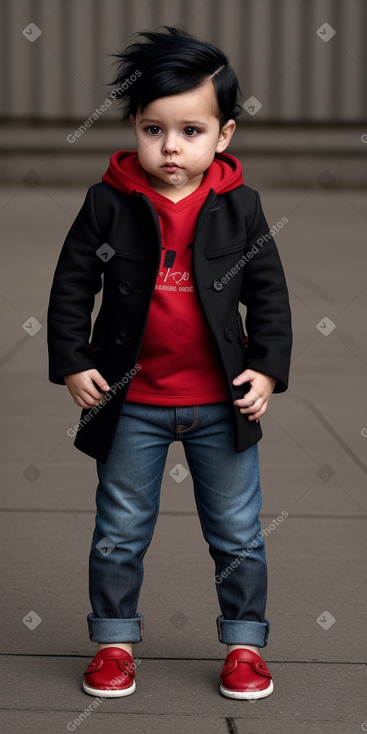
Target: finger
[80, 402]
[248, 400]
[259, 414]
[252, 409]
[91, 393]
[88, 391]
[245, 376]
[85, 400]
[99, 380]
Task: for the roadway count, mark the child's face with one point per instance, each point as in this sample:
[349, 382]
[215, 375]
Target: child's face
[181, 129]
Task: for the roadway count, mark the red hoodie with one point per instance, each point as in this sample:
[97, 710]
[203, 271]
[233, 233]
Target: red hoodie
[179, 361]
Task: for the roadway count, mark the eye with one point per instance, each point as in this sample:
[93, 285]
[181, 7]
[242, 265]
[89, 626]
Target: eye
[153, 130]
[190, 131]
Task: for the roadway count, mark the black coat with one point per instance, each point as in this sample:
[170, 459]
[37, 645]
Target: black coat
[234, 260]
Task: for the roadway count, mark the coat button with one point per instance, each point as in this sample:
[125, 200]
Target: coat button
[217, 285]
[229, 335]
[125, 288]
[120, 338]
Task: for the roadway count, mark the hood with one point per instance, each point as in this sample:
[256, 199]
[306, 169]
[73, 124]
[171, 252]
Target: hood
[125, 173]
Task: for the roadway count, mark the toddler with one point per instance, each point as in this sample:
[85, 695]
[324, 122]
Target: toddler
[178, 242]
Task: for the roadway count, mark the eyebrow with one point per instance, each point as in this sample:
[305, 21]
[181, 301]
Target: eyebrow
[182, 122]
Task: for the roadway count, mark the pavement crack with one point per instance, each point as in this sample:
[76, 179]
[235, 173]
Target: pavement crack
[231, 726]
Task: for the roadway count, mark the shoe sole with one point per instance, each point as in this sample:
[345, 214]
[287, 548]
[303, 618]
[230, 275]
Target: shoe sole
[109, 692]
[248, 695]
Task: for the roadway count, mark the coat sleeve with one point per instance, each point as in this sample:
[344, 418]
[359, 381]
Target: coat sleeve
[76, 280]
[264, 293]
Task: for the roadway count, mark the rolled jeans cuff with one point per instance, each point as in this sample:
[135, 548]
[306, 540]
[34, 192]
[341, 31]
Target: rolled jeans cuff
[116, 630]
[243, 632]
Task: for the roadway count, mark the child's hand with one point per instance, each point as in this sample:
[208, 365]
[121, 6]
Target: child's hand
[255, 402]
[82, 390]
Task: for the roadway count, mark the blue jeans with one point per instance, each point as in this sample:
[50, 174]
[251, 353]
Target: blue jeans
[228, 499]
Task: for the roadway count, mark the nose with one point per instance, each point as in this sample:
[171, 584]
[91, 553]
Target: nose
[171, 144]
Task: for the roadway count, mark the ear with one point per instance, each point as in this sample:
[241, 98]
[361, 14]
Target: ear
[225, 136]
[132, 120]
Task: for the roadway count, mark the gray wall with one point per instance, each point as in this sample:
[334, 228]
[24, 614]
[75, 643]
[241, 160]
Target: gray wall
[51, 85]
[272, 44]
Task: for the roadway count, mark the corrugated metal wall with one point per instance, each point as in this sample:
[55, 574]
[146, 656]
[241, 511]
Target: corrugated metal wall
[296, 74]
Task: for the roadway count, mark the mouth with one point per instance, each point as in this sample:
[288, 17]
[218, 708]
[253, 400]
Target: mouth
[171, 167]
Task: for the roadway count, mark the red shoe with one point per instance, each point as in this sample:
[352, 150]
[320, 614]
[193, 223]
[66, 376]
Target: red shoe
[110, 674]
[245, 675]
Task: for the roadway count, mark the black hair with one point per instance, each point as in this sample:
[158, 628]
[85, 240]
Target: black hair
[172, 62]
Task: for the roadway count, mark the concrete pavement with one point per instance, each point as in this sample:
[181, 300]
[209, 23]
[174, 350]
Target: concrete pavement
[313, 461]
